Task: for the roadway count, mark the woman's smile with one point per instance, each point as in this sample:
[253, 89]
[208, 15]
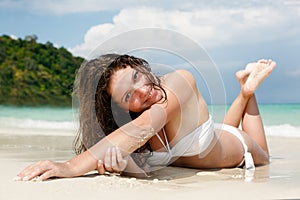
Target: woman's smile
[150, 94]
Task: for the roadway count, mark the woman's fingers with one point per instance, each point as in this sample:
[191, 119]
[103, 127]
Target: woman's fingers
[46, 175]
[34, 171]
[121, 162]
[107, 160]
[119, 154]
[24, 172]
[100, 167]
[110, 160]
[43, 170]
[114, 163]
[30, 172]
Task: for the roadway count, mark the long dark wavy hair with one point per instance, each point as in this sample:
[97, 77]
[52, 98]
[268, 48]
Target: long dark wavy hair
[99, 115]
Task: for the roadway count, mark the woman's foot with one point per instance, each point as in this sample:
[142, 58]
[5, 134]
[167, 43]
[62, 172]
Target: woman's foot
[243, 74]
[253, 75]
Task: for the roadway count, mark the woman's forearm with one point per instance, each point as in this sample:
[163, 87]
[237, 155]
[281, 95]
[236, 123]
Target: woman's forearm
[81, 164]
[126, 143]
[133, 135]
[87, 161]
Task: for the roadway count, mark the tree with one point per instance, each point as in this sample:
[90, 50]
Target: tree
[35, 74]
[30, 38]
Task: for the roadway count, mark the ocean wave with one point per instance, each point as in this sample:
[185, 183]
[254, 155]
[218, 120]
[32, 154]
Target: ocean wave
[283, 130]
[10, 122]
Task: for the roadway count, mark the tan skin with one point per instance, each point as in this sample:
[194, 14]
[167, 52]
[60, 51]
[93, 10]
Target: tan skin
[184, 111]
[228, 151]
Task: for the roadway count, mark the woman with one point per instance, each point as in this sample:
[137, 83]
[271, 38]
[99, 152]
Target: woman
[171, 119]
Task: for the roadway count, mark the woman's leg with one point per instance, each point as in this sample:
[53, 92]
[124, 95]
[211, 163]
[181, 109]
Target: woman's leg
[252, 124]
[236, 111]
[245, 107]
[228, 150]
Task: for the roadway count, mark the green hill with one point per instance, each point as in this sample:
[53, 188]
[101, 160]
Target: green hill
[35, 74]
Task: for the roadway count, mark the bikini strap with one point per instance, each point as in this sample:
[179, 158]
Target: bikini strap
[249, 163]
[166, 146]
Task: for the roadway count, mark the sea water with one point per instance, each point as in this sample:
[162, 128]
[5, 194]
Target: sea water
[279, 119]
[37, 120]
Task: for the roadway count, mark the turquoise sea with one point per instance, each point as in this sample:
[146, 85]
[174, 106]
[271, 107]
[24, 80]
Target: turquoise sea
[279, 120]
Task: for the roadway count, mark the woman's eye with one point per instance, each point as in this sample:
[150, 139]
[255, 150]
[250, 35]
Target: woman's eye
[127, 97]
[135, 76]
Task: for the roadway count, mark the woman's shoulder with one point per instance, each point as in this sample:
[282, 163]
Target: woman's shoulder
[181, 75]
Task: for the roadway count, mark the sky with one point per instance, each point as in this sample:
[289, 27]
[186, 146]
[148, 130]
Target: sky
[232, 34]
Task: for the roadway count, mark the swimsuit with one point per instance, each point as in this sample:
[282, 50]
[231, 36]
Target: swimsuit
[196, 143]
[247, 161]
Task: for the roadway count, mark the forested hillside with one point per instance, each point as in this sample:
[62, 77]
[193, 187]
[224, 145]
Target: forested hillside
[35, 74]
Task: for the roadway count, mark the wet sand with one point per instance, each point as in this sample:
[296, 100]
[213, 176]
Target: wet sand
[279, 180]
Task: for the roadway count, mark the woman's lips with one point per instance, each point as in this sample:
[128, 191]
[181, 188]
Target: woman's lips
[151, 94]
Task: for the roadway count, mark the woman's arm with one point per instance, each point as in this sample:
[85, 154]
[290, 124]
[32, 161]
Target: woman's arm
[139, 131]
[43, 170]
[179, 88]
[128, 138]
[114, 162]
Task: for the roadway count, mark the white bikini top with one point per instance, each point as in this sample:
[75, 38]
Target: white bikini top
[192, 144]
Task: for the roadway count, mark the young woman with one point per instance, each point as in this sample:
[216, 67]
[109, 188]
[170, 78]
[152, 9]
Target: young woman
[169, 122]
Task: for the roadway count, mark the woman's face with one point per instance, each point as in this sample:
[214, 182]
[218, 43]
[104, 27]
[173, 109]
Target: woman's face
[132, 90]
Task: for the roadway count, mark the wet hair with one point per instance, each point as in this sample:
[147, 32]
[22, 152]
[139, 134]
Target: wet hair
[99, 115]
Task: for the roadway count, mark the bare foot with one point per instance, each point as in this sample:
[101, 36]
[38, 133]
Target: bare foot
[256, 73]
[243, 74]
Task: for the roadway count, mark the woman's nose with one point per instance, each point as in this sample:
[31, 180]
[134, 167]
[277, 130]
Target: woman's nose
[141, 92]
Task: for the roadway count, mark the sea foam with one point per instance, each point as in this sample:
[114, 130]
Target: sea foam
[283, 130]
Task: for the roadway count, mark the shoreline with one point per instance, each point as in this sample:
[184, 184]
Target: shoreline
[278, 180]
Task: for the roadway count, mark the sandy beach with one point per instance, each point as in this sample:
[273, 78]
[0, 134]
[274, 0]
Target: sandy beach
[279, 180]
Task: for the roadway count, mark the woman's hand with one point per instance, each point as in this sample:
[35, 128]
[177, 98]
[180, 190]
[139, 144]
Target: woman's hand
[43, 170]
[113, 161]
